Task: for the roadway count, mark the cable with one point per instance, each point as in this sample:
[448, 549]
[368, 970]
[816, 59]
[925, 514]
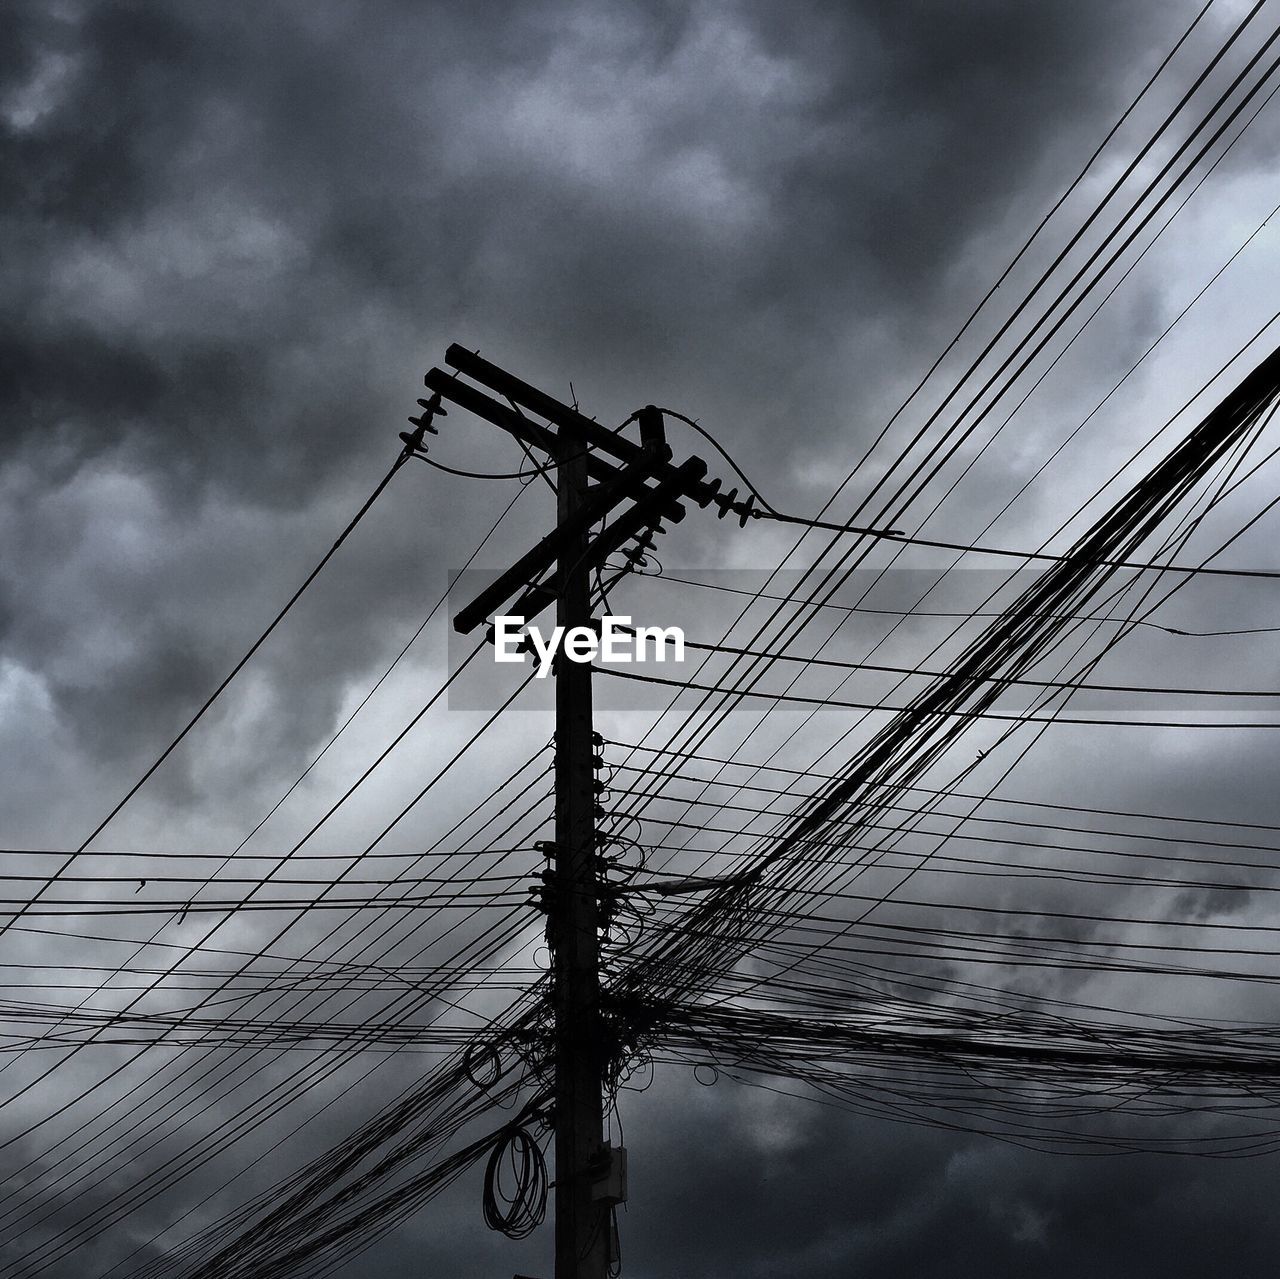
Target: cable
[1038, 556]
[796, 699]
[1019, 682]
[916, 612]
[518, 1207]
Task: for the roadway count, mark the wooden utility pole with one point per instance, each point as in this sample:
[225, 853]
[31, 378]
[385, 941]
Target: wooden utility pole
[583, 1224]
[590, 1177]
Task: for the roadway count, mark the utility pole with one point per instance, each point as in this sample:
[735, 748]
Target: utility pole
[590, 1176]
[583, 1224]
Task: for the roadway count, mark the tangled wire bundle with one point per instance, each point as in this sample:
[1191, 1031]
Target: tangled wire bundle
[515, 1184]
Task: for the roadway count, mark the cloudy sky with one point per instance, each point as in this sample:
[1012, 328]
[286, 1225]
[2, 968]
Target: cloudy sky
[235, 238]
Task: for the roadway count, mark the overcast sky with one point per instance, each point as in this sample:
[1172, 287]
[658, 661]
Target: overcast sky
[236, 236]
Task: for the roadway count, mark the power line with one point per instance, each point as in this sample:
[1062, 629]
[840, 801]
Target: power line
[1016, 682]
[1010, 718]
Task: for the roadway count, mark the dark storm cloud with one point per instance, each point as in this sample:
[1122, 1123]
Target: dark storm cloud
[235, 236]
[238, 235]
[623, 185]
[739, 1183]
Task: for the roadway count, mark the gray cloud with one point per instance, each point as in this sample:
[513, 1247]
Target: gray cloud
[236, 237]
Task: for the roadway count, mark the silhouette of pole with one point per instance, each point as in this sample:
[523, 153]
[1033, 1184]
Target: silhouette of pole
[590, 1177]
[582, 1226]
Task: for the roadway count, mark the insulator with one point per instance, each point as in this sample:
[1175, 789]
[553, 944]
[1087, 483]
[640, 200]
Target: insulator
[433, 404]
